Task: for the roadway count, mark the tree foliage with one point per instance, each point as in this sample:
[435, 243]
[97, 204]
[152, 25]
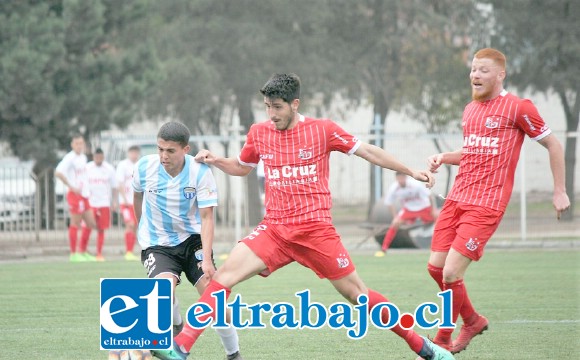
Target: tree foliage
[65, 68]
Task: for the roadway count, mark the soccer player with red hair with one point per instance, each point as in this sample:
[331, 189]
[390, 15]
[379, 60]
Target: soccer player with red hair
[494, 126]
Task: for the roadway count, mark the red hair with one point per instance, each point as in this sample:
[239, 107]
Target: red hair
[488, 53]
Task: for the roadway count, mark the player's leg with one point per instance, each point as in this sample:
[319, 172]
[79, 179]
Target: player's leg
[351, 287]
[241, 264]
[322, 251]
[103, 221]
[164, 262]
[88, 223]
[192, 268]
[130, 228]
[392, 232]
[75, 222]
[229, 336]
[476, 227]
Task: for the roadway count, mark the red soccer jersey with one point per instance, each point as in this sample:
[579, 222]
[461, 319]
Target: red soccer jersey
[296, 167]
[493, 133]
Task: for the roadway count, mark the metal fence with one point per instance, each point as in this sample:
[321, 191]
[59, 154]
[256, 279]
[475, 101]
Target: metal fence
[33, 208]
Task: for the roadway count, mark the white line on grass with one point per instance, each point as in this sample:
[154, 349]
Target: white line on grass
[525, 321]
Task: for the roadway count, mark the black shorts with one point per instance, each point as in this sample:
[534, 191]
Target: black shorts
[185, 257]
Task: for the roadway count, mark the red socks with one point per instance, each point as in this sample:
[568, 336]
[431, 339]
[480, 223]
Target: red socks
[437, 274]
[389, 236]
[129, 241]
[85, 236]
[72, 238]
[100, 241]
[412, 338]
[466, 311]
[188, 336]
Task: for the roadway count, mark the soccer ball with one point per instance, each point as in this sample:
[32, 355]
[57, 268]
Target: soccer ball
[130, 355]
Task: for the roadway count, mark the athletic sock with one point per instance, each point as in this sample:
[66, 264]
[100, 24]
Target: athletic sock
[85, 236]
[467, 311]
[100, 241]
[229, 337]
[437, 274]
[188, 336]
[412, 338]
[129, 241]
[458, 290]
[389, 236]
[177, 320]
[72, 238]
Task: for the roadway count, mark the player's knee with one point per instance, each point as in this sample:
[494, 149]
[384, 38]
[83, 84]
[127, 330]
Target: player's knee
[451, 274]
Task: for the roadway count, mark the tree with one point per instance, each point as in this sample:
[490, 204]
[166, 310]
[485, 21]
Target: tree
[65, 69]
[542, 41]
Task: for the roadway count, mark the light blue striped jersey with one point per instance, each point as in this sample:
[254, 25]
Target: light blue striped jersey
[170, 211]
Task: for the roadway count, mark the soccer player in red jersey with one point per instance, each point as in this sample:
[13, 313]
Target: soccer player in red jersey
[494, 126]
[297, 225]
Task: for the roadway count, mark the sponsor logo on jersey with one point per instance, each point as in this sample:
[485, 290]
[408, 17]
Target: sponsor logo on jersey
[532, 127]
[292, 175]
[335, 134]
[267, 156]
[474, 144]
[154, 191]
[189, 192]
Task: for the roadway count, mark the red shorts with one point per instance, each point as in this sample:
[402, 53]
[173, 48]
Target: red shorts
[315, 245]
[465, 228]
[128, 213]
[76, 203]
[102, 217]
[426, 215]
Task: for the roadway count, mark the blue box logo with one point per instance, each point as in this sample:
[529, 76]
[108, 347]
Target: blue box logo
[136, 314]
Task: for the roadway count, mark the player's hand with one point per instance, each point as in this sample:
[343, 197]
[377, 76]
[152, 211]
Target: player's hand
[208, 268]
[561, 203]
[424, 176]
[434, 161]
[205, 156]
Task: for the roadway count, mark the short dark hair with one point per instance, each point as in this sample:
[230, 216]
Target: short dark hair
[99, 151]
[282, 86]
[174, 131]
[134, 148]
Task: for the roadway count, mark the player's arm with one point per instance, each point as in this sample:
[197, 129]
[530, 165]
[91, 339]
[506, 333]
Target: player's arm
[230, 166]
[380, 157]
[560, 199]
[449, 158]
[62, 177]
[137, 205]
[207, 234]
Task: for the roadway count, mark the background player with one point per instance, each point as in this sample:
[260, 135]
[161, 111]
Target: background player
[494, 126]
[416, 202]
[174, 202]
[124, 175]
[71, 171]
[101, 186]
[297, 225]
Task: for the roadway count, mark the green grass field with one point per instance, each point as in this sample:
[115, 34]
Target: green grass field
[50, 310]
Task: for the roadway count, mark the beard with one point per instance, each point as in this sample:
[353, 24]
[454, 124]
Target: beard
[481, 96]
